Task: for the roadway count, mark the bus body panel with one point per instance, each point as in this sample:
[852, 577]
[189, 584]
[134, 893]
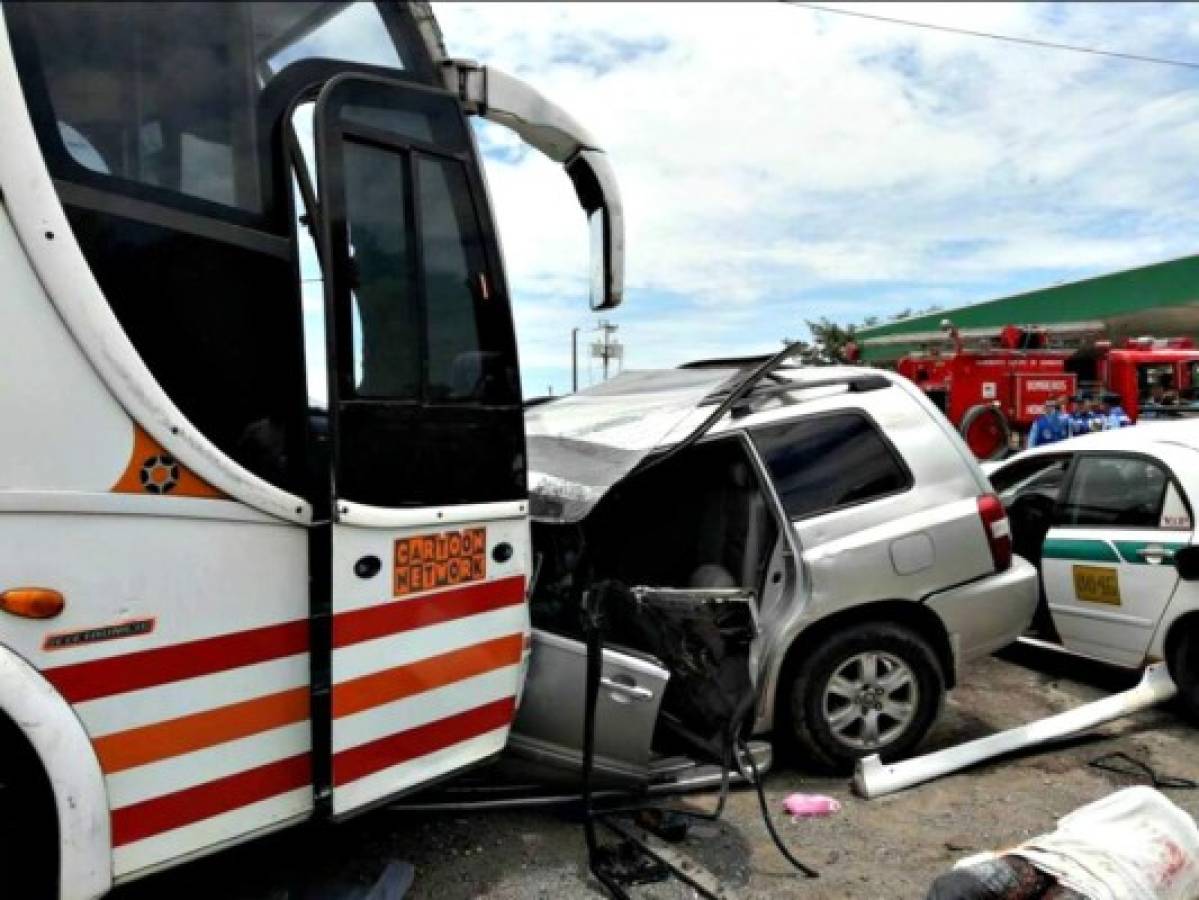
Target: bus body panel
[183, 650]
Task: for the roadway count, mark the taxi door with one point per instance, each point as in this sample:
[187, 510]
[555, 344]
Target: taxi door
[1107, 561]
[423, 625]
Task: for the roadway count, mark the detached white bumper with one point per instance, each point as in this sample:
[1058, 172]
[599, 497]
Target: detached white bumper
[985, 615]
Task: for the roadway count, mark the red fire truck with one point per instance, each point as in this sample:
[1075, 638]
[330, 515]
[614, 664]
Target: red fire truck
[992, 383]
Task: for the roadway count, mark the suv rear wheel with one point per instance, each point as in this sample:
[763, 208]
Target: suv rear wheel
[872, 688]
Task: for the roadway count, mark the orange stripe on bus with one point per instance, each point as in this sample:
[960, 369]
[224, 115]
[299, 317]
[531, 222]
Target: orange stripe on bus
[378, 688]
[190, 805]
[174, 737]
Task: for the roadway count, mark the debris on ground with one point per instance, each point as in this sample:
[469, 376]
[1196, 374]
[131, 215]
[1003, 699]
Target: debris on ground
[810, 806]
[1121, 763]
[875, 778]
[392, 883]
[628, 865]
[665, 823]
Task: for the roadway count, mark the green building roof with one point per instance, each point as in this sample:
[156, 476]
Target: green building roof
[1160, 299]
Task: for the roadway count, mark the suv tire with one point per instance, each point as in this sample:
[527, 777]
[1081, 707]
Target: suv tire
[1184, 667]
[871, 688]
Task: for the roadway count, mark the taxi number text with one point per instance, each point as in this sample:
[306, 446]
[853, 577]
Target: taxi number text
[1097, 584]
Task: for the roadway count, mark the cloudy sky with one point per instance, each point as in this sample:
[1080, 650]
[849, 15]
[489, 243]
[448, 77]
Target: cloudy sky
[779, 163]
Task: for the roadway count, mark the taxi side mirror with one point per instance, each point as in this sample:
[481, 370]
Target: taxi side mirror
[1186, 561]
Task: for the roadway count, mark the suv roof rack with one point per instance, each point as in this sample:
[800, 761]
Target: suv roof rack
[855, 383]
[728, 362]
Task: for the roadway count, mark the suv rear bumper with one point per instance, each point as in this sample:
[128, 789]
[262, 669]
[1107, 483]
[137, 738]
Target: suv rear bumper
[986, 615]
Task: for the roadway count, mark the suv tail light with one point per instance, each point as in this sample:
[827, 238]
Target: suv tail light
[999, 532]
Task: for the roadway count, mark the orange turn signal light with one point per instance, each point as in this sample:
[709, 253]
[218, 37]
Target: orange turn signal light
[32, 603]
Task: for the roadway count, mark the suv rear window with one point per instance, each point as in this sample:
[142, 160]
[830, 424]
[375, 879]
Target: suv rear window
[822, 463]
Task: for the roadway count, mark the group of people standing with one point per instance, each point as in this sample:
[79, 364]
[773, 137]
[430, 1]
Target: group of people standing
[1085, 414]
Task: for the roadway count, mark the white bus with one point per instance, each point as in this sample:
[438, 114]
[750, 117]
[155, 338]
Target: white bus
[225, 608]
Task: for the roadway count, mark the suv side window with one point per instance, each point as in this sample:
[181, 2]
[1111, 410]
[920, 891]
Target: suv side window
[822, 463]
[1120, 491]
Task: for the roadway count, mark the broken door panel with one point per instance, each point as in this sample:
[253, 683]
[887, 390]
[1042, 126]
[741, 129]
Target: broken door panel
[688, 678]
[547, 738]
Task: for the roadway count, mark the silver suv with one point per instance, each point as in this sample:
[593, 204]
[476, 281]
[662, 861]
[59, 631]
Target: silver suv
[877, 555]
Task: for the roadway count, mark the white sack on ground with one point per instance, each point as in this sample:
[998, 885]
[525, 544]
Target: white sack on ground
[1131, 845]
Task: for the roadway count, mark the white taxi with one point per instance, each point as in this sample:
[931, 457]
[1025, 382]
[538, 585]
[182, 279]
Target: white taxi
[1108, 520]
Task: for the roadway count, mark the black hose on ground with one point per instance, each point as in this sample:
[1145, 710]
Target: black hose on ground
[593, 621]
[808, 871]
[592, 633]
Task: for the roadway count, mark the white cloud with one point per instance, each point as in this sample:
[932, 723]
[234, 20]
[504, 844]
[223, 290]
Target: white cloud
[771, 156]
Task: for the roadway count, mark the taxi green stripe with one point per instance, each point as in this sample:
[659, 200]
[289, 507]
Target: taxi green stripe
[1091, 551]
[1102, 551]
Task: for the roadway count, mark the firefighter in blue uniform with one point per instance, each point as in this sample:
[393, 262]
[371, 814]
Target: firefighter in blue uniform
[1084, 419]
[1113, 413]
[1050, 426]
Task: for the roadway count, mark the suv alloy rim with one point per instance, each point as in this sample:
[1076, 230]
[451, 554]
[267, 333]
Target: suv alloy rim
[870, 700]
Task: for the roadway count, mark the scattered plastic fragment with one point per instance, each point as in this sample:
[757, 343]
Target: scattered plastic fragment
[810, 806]
[874, 778]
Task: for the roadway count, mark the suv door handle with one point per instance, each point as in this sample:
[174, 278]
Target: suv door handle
[632, 691]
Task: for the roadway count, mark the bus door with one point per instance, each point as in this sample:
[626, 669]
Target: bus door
[419, 607]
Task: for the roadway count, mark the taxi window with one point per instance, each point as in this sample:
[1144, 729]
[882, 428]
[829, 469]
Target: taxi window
[1040, 475]
[1113, 491]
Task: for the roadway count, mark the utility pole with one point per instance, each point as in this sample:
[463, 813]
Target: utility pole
[607, 349]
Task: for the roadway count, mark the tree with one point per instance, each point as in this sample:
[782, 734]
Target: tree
[828, 342]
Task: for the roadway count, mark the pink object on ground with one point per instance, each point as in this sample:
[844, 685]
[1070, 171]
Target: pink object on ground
[810, 806]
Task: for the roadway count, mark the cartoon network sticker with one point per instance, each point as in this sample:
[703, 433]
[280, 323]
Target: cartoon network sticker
[430, 561]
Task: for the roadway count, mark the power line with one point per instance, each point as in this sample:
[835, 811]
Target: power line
[1028, 42]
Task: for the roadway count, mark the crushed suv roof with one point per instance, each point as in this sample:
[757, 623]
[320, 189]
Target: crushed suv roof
[584, 443]
[581, 445]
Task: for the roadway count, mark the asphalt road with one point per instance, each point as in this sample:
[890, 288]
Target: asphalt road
[887, 848]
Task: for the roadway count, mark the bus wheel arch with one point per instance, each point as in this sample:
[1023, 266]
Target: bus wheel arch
[29, 842]
[44, 732]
